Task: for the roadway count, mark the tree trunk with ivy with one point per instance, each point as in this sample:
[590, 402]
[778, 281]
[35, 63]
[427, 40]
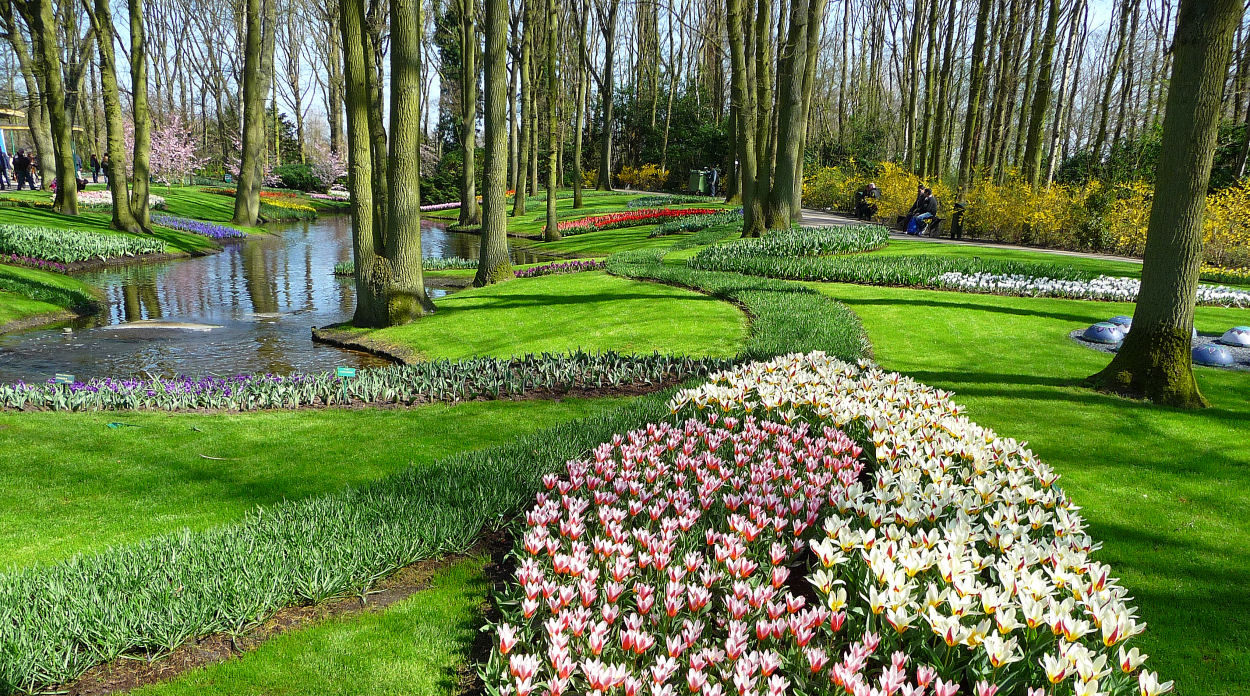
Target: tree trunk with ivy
[579, 123]
[744, 121]
[1155, 362]
[523, 136]
[494, 263]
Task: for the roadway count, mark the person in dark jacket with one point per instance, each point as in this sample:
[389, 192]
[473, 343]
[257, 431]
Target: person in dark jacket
[927, 210]
[106, 166]
[21, 169]
[4, 171]
[95, 169]
[866, 201]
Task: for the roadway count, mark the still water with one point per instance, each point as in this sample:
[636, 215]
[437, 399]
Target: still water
[247, 309]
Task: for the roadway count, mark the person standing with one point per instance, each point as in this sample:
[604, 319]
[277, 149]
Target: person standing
[4, 171]
[106, 166]
[21, 168]
[95, 169]
[715, 180]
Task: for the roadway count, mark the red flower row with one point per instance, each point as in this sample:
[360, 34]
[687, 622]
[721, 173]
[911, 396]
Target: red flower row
[628, 218]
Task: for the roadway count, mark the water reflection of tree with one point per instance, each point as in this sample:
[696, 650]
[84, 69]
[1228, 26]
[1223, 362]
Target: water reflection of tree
[262, 291]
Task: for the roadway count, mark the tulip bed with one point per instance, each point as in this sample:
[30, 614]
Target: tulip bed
[558, 267]
[103, 200]
[285, 209]
[695, 223]
[69, 246]
[437, 381]
[670, 562]
[628, 218]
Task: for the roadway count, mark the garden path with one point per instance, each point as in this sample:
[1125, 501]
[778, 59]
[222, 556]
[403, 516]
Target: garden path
[828, 218]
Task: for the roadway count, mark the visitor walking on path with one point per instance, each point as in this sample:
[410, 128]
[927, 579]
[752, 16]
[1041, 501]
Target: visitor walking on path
[4, 171]
[95, 169]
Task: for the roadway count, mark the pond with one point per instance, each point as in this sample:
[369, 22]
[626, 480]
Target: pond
[250, 308]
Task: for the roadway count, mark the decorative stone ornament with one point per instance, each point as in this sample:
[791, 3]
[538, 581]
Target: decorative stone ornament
[1212, 355]
[1104, 332]
[1121, 321]
[1238, 336]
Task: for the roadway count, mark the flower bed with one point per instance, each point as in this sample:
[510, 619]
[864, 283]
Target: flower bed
[33, 262]
[440, 206]
[69, 246]
[269, 195]
[207, 229]
[1111, 288]
[695, 223]
[559, 267]
[284, 209]
[442, 380]
[103, 200]
[336, 196]
[629, 218]
[668, 563]
[665, 199]
[453, 263]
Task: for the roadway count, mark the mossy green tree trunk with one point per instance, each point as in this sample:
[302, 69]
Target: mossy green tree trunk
[607, 26]
[123, 219]
[1154, 362]
[552, 231]
[579, 123]
[400, 274]
[791, 68]
[470, 212]
[1041, 99]
[247, 188]
[141, 115]
[36, 111]
[523, 136]
[494, 264]
[976, 85]
[743, 106]
[359, 163]
[43, 27]
[760, 43]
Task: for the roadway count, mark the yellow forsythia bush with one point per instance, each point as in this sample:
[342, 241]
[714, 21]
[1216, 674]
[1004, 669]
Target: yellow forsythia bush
[648, 177]
[1092, 216]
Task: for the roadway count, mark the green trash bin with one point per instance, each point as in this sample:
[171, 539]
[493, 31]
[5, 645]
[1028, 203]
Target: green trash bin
[693, 185]
[705, 182]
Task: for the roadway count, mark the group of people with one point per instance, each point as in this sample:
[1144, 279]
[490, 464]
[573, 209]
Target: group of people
[922, 211]
[22, 169]
[919, 216]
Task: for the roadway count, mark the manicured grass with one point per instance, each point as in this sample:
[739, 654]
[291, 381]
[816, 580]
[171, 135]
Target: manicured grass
[604, 242]
[559, 313]
[28, 291]
[1164, 490]
[907, 247]
[73, 484]
[88, 221]
[412, 648]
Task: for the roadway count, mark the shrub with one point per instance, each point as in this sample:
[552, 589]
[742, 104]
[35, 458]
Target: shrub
[695, 223]
[298, 177]
[648, 177]
[69, 246]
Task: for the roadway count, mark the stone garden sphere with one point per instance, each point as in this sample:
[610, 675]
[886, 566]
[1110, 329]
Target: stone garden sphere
[1237, 336]
[1212, 355]
[1104, 332]
[1121, 321]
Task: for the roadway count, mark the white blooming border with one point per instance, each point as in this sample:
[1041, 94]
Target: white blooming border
[959, 558]
[1111, 288]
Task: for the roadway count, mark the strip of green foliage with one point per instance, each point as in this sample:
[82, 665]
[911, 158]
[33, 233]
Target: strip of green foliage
[662, 199]
[58, 620]
[428, 264]
[68, 246]
[696, 223]
[407, 385]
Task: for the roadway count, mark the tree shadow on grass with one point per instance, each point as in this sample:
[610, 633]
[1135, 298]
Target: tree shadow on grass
[970, 306]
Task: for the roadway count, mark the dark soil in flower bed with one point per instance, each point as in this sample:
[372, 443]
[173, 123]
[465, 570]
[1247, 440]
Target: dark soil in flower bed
[132, 672]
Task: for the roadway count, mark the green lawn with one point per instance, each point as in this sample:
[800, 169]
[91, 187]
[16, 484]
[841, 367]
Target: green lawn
[26, 292]
[412, 648]
[908, 247]
[589, 311]
[73, 484]
[88, 221]
[1164, 490]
